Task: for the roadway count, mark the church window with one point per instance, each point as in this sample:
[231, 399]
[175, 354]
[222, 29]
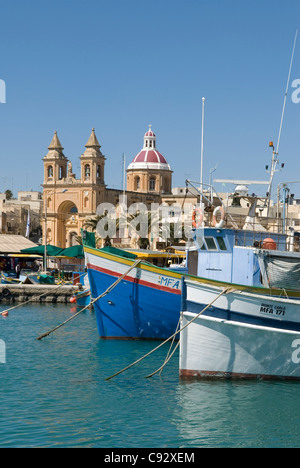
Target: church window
[50, 171]
[152, 183]
[61, 173]
[146, 143]
[99, 172]
[87, 171]
[74, 209]
[137, 183]
[150, 144]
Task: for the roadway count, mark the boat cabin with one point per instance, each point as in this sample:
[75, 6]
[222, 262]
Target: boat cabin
[230, 255]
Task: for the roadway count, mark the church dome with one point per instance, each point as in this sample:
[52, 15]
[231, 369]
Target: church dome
[149, 157]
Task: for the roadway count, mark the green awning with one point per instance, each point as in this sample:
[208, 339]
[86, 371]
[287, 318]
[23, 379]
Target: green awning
[52, 251]
[73, 252]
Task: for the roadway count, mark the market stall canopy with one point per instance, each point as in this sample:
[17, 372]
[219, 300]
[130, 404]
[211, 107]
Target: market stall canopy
[73, 252]
[13, 244]
[52, 251]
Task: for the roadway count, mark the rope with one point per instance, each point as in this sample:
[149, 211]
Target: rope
[167, 357]
[108, 290]
[225, 291]
[165, 363]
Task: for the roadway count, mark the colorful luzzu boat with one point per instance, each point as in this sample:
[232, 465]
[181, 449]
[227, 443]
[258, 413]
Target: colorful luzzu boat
[144, 305]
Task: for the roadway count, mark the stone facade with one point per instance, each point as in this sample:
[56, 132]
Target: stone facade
[68, 201]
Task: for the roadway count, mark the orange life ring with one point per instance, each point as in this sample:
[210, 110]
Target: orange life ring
[197, 217]
[221, 223]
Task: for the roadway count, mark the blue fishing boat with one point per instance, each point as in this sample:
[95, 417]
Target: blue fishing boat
[82, 297]
[144, 305]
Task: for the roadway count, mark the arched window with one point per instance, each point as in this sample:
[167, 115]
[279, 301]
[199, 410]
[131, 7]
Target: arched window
[87, 171]
[137, 183]
[62, 172]
[99, 172]
[50, 171]
[152, 184]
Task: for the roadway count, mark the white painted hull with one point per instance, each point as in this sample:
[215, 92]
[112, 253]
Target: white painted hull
[217, 348]
[242, 305]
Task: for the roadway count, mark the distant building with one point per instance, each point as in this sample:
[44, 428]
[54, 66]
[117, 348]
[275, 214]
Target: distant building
[15, 214]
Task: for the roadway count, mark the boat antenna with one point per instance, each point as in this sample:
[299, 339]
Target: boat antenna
[275, 152]
[286, 91]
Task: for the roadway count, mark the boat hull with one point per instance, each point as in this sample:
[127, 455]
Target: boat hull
[144, 305]
[217, 348]
[83, 299]
[246, 305]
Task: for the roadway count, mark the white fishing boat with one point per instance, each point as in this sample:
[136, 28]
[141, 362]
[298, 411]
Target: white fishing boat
[217, 348]
[233, 332]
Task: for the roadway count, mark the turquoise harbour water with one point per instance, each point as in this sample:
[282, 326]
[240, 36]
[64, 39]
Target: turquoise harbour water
[54, 394]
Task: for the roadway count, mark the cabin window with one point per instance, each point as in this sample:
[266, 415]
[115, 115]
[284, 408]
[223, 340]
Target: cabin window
[201, 243]
[210, 242]
[221, 243]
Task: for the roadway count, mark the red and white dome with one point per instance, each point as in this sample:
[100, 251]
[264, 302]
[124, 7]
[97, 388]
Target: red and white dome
[149, 157]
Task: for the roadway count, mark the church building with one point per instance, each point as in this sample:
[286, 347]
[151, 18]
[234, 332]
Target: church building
[149, 170]
[68, 201]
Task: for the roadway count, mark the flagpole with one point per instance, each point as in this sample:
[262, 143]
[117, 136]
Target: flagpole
[202, 140]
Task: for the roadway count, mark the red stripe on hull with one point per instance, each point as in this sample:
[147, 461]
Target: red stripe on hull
[134, 280]
[211, 375]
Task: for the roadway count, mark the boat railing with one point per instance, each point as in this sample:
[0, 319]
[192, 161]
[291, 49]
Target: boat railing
[283, 242]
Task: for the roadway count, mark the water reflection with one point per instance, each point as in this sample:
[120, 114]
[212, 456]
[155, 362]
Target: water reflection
[238, 414]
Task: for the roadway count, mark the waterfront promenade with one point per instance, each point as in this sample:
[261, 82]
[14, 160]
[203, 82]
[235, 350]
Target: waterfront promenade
[36, 293]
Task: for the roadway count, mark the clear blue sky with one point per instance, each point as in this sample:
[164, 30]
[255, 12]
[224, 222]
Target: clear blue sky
[119, 65]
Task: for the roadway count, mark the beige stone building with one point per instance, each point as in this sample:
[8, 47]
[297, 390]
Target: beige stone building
[22, 215]
[69, 201]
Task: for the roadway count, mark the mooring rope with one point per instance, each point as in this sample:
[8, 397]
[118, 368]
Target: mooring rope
[168, 357]
[225, 291]
[108, 290]
[165, 362]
